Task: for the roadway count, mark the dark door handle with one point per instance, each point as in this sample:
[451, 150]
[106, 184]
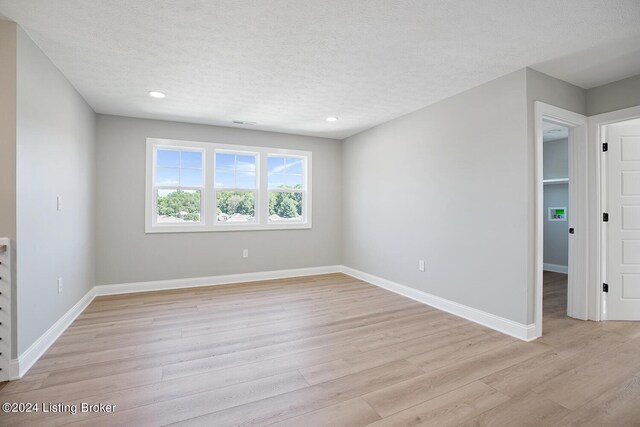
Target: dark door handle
[571, 231]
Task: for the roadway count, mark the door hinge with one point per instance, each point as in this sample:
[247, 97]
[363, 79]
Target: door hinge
[605, 146]
[605, 217]
[605, 287]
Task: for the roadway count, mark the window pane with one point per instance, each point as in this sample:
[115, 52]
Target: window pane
[275, 164]
[293, 181]
[245, 180]
[285, 173]
[225, 179]
[285, 207]
[167, 176]
[191, 177]
[168, 158]
[178, 206]
[225, 161]
[294, 166]
[236, 206]
[191, 159]
[276, 180]
[246, 163]
[235, 170]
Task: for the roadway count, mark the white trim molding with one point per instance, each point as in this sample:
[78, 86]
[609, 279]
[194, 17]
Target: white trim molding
[500, 324]
[160, 285]
[28, 358]
[556, 268]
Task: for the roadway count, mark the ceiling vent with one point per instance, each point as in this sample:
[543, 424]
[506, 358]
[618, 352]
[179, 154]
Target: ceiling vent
[244, 122]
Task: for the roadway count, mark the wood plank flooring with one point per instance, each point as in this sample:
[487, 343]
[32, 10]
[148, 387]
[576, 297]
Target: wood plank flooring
[327, 350]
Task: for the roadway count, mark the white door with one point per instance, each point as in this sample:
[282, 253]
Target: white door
[623, 227]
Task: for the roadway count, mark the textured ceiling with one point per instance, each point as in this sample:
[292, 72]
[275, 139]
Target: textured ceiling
[288, 64]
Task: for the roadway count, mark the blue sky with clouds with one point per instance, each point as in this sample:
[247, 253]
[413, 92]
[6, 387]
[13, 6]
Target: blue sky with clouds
[184, 168]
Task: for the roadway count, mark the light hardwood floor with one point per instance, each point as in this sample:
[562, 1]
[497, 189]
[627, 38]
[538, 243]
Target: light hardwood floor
[328, 351]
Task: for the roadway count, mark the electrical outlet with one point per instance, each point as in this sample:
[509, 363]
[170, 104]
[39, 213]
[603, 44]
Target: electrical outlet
[421, 265]
[59, 203]
[59, 285]
[245, 253]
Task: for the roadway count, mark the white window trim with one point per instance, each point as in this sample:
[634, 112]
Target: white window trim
[208, 197]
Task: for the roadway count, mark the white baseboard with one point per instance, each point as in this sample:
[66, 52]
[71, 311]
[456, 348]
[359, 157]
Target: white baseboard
[160, 285]
[14, 370]
[25, 361]
[500, 324]
[555, 268]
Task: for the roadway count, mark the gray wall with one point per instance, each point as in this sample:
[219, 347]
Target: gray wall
[126, 254]
[8, 145]
[55, 157]
[556, 159]
[614, 96]
[542, 87]
[556, 237]
[447, 184]
[453, 184]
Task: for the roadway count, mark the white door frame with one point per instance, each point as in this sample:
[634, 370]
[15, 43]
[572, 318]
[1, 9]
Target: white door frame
[577, 295]
[598, 254]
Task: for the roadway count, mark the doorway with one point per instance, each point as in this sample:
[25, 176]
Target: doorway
[556, 230]
[563, 254]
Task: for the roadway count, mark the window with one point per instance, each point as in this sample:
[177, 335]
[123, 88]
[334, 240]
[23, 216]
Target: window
[178, 186]
[197, 186]
[286, 188]
[236, 187]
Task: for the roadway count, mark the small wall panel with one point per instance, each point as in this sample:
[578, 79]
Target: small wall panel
[631, 183]
[630, 151]
[631, 286]
[631, 217]
[631, 251]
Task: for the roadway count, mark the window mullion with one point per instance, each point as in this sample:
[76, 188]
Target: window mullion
[263, 192]
[209, 188]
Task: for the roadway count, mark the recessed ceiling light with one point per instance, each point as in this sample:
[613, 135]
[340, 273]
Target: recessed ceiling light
[156, 94]
[332, 119]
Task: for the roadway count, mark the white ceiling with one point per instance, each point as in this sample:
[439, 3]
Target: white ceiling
[288, 64]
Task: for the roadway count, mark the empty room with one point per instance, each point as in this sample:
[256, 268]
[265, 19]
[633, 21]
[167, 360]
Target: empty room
[320, 213]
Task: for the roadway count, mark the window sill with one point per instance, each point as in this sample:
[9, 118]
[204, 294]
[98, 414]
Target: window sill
[223, 228]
